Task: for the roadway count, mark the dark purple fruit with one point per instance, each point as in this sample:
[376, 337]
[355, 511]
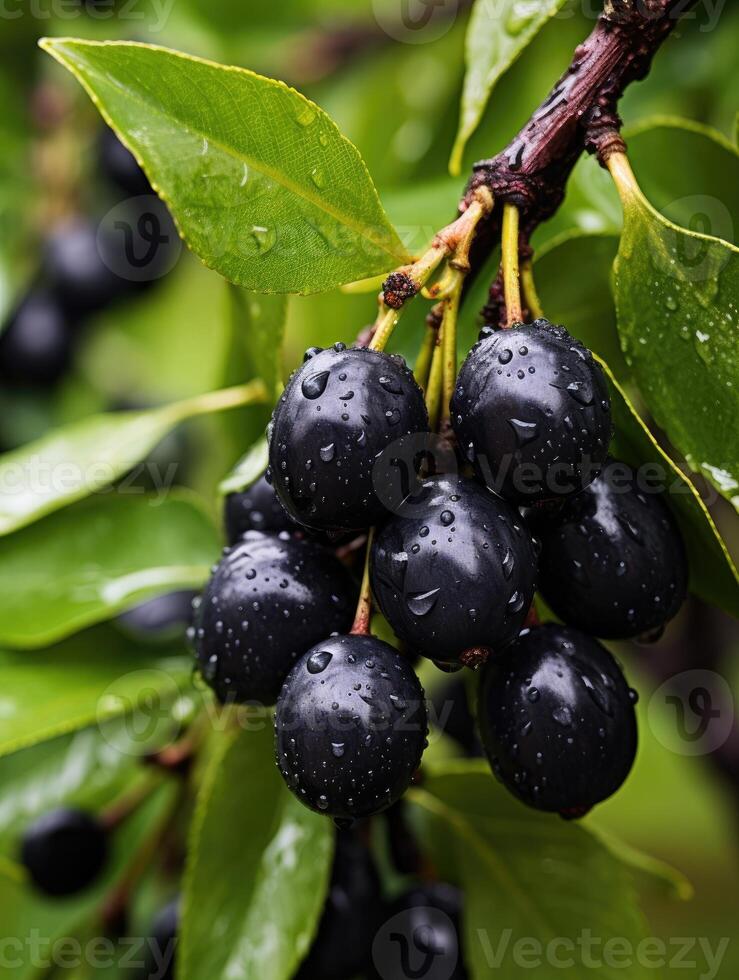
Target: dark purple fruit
[162, 943]
[613, 562]
[422, 937]
[64, 851]
[557, 720]
[119, 166]
[351, 915]
[78, 263]
[341, 411]
[36, 343]
[257, 508]
[455, 576]
[269, 599]
[531, 411]
[160, 619]
[350, 727]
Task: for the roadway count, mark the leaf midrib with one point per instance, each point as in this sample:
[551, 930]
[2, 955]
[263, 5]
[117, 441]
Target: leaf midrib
[304, 193]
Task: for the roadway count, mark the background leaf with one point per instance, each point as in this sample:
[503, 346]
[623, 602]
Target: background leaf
[527, 872]
[676, 297]
[258, 334]
[91, 561]
[496, 35]
[79, 459]
[713, 575]
[265, 191]
[95, 676]
[248, 469]
[262, 859]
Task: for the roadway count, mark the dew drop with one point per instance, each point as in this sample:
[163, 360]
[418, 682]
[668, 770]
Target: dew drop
[315, 384]
[327, 453]
[447, 518]
[421, 603]
[524, 431]
[318, 662]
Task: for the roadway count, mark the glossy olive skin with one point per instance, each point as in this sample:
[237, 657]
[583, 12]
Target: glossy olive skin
[340, 411]
[36, 343]
[257, 508]
[613, 561]
[119, 166]
[531, 411]
[557, 720]
[423, 935]
[457, 573]
[353, 910]
[350, 727]
[64, 851]
[269, 599]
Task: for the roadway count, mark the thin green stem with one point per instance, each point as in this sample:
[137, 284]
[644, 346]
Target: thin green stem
[449, 343]
[433, 390]
[509, 244]
[363, 616]
[386, 323]
[528, 288]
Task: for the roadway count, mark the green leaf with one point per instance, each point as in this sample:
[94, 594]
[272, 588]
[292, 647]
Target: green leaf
[79, 459]
[262, 859]
[258, 335]
[71, 685]
[247, 470]
[496, 35]
[526, 874]
[713, 575]
[263, 186]
[677, 295]
[91, 561]
[87, 768]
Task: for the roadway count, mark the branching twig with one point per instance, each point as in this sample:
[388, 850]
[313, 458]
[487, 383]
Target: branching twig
[580, 113]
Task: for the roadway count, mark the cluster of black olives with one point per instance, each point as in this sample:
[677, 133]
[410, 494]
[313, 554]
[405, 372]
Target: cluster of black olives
[81, 272]
[534, 502]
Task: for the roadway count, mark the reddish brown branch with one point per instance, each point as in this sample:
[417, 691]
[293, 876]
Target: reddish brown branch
[580, 113]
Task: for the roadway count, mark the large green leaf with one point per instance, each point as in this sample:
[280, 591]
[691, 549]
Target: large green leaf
[79, 459]
[91, 561]
[263, 861]
[677, 296]
[247, 470]
[95, 676]
[496, 35]
[528, 875]
[262, 184]
[713, 575]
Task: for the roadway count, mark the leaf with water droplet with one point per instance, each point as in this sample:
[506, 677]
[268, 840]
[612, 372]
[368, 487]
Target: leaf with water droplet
[676, 276]
[307, 187]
